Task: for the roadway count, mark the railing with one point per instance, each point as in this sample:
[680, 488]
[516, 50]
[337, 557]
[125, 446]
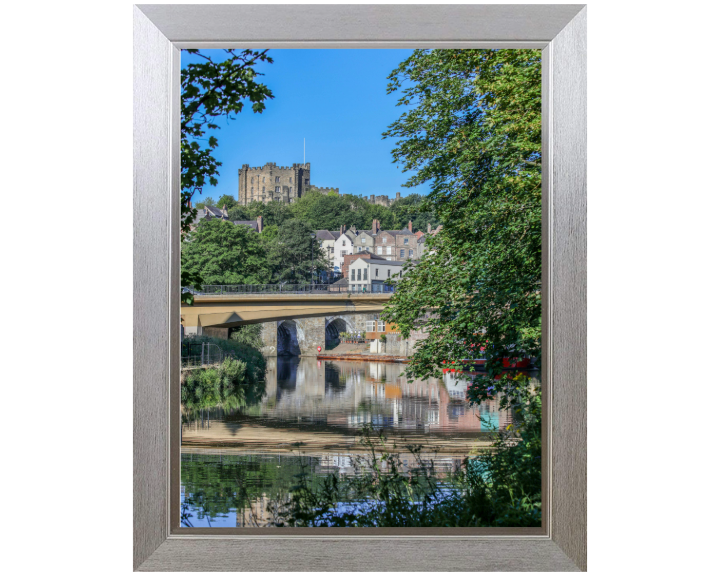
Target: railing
[217, 289]
[195, 354]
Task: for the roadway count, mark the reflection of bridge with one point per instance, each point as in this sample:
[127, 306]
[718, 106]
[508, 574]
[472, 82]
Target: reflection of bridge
[295, 322]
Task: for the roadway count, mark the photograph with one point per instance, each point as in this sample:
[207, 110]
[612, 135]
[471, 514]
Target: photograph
[361, 295]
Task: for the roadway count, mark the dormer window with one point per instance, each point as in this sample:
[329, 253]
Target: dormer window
[362, 240]
[384, 240]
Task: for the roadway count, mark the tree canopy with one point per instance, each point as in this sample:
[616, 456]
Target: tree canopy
[223, 253]
[211, 89]
[472, 128]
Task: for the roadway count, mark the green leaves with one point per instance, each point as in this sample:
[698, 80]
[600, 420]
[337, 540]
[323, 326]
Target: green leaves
[472, 129]
[211, 89]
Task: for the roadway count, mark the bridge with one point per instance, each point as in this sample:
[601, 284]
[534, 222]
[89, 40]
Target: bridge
[296, 319]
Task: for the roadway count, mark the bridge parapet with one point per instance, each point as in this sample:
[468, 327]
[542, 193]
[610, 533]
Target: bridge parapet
[263, 289]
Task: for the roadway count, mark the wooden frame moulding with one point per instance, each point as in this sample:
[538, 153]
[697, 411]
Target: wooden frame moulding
[160, 32]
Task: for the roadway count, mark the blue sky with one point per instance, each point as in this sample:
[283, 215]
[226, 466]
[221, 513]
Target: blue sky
[337, 101]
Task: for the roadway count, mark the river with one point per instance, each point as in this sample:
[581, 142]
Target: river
[309, 420]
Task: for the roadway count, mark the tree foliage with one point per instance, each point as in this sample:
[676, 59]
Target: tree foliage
[222, 253]
[472, 129]
[211, 89]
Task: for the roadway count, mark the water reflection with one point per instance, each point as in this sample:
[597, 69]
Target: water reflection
[235, 461]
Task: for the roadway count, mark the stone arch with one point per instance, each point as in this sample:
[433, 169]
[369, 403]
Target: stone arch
[287, 339]
[336, 324]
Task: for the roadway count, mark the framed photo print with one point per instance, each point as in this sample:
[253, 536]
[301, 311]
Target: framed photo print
[360, 287]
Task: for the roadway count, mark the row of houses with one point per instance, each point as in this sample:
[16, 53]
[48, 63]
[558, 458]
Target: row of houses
[363, 260]
[394, 245]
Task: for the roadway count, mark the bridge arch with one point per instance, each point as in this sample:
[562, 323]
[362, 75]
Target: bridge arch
[336, 324]
[287, 338]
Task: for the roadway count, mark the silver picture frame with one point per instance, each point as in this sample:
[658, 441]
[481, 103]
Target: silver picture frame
[160, 32]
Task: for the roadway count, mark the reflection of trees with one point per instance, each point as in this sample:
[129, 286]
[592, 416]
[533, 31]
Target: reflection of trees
[217, 485]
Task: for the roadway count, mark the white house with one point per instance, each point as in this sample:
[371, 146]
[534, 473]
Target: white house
[368, 275]
[343, 246]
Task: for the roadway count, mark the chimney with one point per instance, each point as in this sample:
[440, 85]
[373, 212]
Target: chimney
[429, 228]
[410, 225]
[224, 210]
[260, 223]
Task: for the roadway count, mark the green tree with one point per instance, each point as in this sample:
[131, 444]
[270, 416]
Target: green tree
[207, 201]
[222, 253]
[211, 89]
[238, 212]
[293, 253]
[227, 201]
[472, 129]
[413, 208]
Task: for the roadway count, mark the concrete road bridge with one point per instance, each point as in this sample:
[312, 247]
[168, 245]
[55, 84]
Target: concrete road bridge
[295, 319]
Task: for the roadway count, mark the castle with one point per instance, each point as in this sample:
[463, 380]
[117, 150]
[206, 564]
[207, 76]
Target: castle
[285, 184]
[275, 183]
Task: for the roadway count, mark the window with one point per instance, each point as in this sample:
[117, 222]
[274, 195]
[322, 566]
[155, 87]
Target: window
[277, 178]
[307, 181]
[387, 250]
[384, 240]
[380, 323]
[331, 250]
[252, 190]
[370, 325]
[263, 189]
[290, 180]
[251, 179]
[353, 274]
[377, 272]
[343, 253]
[263, 178]
[364, 274]
[405, 241]
[388, 272]
[343, 242]
[402, 253]
[277, 189]
[379, 250]
[362, 240]
[411, 253]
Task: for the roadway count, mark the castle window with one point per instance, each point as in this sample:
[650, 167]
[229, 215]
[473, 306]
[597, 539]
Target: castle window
[290, 180]
[252, 190]
[307, 181]
[402, 253]
[277, 189]
[405, 241]
[251, 179]
[263, 178]
[277, 178]
[263, 188]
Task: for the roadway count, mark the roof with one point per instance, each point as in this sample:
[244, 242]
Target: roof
[214, 211]
[252, 223]
[341, 282]
[421, 239]
[325, 235]
[384, 262]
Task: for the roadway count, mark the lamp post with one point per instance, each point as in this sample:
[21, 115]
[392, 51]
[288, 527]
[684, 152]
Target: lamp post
[312, 256]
